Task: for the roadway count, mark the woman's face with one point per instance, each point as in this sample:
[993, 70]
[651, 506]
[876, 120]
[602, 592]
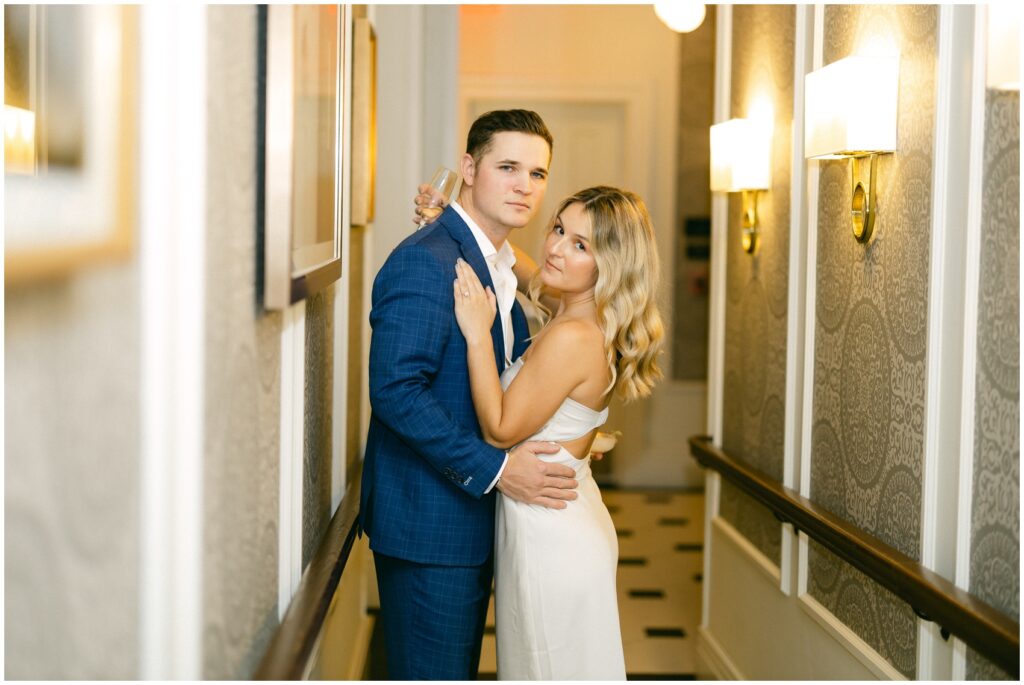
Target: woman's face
[569, 264]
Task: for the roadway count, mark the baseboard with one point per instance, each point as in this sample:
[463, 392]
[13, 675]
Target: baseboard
[711, 655]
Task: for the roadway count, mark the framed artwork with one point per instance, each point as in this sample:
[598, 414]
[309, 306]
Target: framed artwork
[364, 121]
[70, 134]
[303, 60]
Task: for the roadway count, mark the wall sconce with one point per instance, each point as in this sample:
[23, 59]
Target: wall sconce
[1003, 68]
[850, 111]
[19, 140]
[741, 162]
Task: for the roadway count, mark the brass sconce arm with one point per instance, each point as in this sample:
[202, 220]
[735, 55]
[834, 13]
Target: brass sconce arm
[751, 237]
[864, 206]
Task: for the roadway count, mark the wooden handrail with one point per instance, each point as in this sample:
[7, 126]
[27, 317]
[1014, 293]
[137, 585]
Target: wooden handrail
[292, 645]
[983, 628]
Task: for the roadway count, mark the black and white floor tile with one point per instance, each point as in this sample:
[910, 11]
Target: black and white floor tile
[659, 582]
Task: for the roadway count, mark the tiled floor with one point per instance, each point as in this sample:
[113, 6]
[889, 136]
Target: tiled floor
[659, 582]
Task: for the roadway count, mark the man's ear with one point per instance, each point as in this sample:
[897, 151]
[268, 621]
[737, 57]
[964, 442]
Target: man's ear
[468, 168]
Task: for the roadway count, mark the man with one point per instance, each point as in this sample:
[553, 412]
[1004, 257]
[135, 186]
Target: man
[428, 478]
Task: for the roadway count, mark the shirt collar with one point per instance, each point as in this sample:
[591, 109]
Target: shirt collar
[503, 257]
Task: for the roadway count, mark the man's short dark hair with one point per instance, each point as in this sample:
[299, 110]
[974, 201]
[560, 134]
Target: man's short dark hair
[481, 133]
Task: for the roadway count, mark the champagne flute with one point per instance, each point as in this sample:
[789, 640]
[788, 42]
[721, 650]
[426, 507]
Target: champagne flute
[441, 186]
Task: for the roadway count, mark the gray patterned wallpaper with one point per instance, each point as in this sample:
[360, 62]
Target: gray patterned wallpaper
[316, 458]
[995, 520]
[880, 617]
[693, 201]
[870, 330]
[753, 425]
[243, 370]
[71, 477]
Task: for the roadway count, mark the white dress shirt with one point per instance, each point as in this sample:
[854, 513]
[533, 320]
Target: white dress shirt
[499, 265]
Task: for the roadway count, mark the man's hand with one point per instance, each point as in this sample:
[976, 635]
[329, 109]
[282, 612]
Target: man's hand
[426, 197]
[528, 479]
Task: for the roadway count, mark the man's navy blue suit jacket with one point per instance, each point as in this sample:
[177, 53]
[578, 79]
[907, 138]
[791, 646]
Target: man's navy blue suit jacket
[426, 466]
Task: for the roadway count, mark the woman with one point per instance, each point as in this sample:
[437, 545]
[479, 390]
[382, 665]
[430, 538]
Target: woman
[555, 599]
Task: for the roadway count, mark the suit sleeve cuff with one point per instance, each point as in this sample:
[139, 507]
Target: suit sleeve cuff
[497, 477]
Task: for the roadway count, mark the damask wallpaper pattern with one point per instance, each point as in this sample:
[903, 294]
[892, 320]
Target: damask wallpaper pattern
[243, 373]
[995, 520]
[753, 425]
[871, 331]
[880, 617]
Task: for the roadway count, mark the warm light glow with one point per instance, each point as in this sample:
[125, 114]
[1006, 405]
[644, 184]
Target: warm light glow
[1004, 46]
[681, 16]
[741, 155]
[851, 107]
[19, 140]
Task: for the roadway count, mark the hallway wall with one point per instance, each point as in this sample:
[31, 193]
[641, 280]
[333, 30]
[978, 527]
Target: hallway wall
[841, 378]
[244, 401]
[243, 372]
[417, 80]
[102, 581]
[870, 335]
[690, 293]
[995, 511]
[71, 476]
[754, 394]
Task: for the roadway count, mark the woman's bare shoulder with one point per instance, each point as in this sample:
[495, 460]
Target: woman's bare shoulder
[570, 339]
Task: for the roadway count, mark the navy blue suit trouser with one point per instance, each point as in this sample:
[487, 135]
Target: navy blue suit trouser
[433, 617]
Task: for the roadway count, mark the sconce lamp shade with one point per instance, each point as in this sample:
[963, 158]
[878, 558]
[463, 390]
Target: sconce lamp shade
[19, 140]
[1003, 46]
[851, 107]
[741, 155]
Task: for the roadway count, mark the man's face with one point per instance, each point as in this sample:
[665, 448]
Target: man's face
[507, 185]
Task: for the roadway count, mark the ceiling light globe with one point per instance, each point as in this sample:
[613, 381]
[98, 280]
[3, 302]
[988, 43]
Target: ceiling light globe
[681, 17]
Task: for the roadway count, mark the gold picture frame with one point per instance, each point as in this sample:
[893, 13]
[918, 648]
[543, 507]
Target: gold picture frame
[70, 195]
[364, 121]
[303, 69]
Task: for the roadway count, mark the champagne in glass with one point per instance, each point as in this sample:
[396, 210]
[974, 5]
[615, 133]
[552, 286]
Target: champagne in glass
[441, 186]
[429, 213]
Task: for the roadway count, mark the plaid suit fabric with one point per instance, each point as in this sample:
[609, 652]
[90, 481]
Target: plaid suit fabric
[426, 466]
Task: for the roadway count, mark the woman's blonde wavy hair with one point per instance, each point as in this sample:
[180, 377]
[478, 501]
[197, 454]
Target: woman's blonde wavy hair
[627, 282]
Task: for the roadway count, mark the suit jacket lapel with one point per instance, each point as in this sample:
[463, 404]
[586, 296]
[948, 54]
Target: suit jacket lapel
[471, 253]
[521, 331]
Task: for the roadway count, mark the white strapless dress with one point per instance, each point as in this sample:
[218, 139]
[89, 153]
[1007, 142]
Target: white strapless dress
[556, 609]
